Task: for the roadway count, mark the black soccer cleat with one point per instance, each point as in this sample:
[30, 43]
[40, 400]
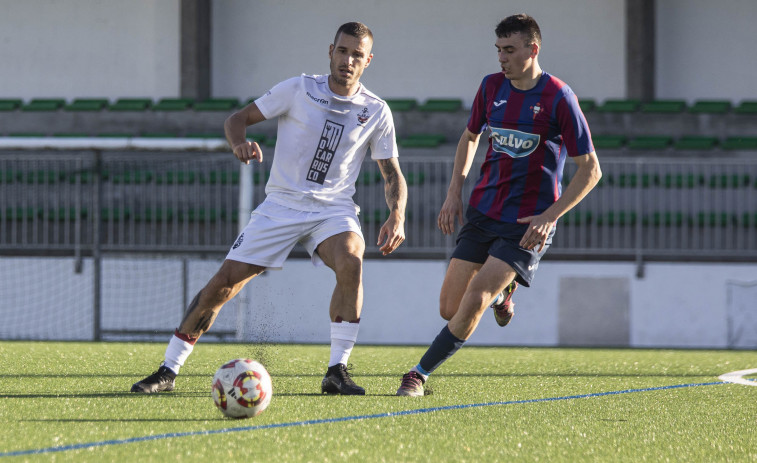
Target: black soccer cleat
[338, 381]
[160, 381]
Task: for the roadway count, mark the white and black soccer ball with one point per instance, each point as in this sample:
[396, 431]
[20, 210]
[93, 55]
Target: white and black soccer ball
[242, 388]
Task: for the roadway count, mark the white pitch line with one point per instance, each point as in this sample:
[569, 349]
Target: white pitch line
[737, 377]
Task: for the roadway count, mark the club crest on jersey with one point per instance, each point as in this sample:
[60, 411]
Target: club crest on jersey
[514, 143]
[362, 118]
[536, 109]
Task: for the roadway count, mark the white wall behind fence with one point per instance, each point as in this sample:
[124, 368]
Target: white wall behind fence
[673, 305]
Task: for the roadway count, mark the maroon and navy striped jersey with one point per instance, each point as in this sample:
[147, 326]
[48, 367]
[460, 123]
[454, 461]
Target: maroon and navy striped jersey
[530, 134]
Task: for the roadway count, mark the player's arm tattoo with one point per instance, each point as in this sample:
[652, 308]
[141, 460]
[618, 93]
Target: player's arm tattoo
[395, 187]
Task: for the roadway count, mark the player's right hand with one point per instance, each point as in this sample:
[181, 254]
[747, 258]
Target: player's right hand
[451, 209]
[248, 151]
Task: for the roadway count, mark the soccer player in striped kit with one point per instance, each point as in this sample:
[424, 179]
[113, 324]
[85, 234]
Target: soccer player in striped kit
[533, 122]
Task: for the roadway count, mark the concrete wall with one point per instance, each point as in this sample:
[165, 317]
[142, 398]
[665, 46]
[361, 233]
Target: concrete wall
[424, 48]
[569, 304]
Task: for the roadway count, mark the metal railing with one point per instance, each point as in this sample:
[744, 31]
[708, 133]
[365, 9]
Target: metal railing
[72, 202]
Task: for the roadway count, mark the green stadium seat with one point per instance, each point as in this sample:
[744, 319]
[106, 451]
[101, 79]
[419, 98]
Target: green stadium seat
[740, 143]
[663, 106]
[157, 214]
[10, 104]
[368, 178]
[87, 104]
[614, 105]
[401, 104]
[729, 181]
[711, 106]
[715, 219]
[422, 141]
[415, 178]
[651, 142]
[270, 142]
[441, 105]
[44, 104]
[683, 181]
[21, 213]
[223, 177]
[665, 218]
[62, 214]
[577, 218]
[587, 105]
[173, 104]
[748, 219]
[608, 141]
[136, 177]
[620, 218]
[27, 134]
[114, 214]
[695, 143]
[217, 104]
[746, 107]
[131, 104]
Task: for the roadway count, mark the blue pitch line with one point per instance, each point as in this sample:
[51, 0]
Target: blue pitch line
[418, 411]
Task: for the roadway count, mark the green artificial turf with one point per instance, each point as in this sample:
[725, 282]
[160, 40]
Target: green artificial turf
[70, 402]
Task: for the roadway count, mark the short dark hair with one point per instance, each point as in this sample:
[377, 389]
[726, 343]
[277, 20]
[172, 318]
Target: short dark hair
[354, 29]
[520, 23]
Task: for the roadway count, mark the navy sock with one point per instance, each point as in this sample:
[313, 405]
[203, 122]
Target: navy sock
[443, 347]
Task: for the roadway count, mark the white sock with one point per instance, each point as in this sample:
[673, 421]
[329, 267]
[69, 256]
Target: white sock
[176, 353]
[343, 337]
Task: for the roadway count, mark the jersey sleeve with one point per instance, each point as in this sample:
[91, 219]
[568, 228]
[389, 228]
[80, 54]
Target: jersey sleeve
[384, 142]
[278, 99]
[573, 126]
[477, 121]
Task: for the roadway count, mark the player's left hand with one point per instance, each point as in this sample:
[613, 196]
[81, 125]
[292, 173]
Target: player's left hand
[391, 234]
[538, 230]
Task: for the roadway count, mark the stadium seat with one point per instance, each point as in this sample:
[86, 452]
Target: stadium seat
[10, 104]
[441, 105]
[608, 142]
[415, 178]
[157, 214]
[137, 177]
[695, 143]
[587, 105]
[27, 134]
[368, 178]
[728, 181]
[173, 104]
[217, 104]
[746, 107]
[87, 104]
[619, 106]
[114, 214]
[620, 218]
[665, 218]
[651, 142]
[681, 181]
[740, 143]
[422, 140]
[131, 104]
[270, 142]
[176, 177]
[663, 106]
[710, 106]
[401, 104]
[44, 104]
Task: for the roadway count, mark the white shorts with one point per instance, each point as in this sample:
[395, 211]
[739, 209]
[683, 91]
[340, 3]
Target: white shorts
[273, 230]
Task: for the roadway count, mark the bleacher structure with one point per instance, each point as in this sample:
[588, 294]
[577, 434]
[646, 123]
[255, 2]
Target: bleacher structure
[679, 180]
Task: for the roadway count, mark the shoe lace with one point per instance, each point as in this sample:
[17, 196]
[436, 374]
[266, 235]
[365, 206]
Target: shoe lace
[411, 380]
[344, 374]
[161, 375]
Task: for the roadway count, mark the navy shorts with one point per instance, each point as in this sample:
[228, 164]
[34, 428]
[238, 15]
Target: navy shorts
[482, 237]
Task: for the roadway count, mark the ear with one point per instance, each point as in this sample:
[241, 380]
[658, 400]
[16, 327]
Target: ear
[368, 61]
[331, 50]
[534, 50]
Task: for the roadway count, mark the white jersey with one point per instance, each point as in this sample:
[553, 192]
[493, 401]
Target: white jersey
[322, 140]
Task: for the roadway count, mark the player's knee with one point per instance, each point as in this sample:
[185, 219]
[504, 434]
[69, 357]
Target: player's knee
[349, 270]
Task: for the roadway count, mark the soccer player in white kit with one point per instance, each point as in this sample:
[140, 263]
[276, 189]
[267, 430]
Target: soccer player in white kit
[326, 124]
